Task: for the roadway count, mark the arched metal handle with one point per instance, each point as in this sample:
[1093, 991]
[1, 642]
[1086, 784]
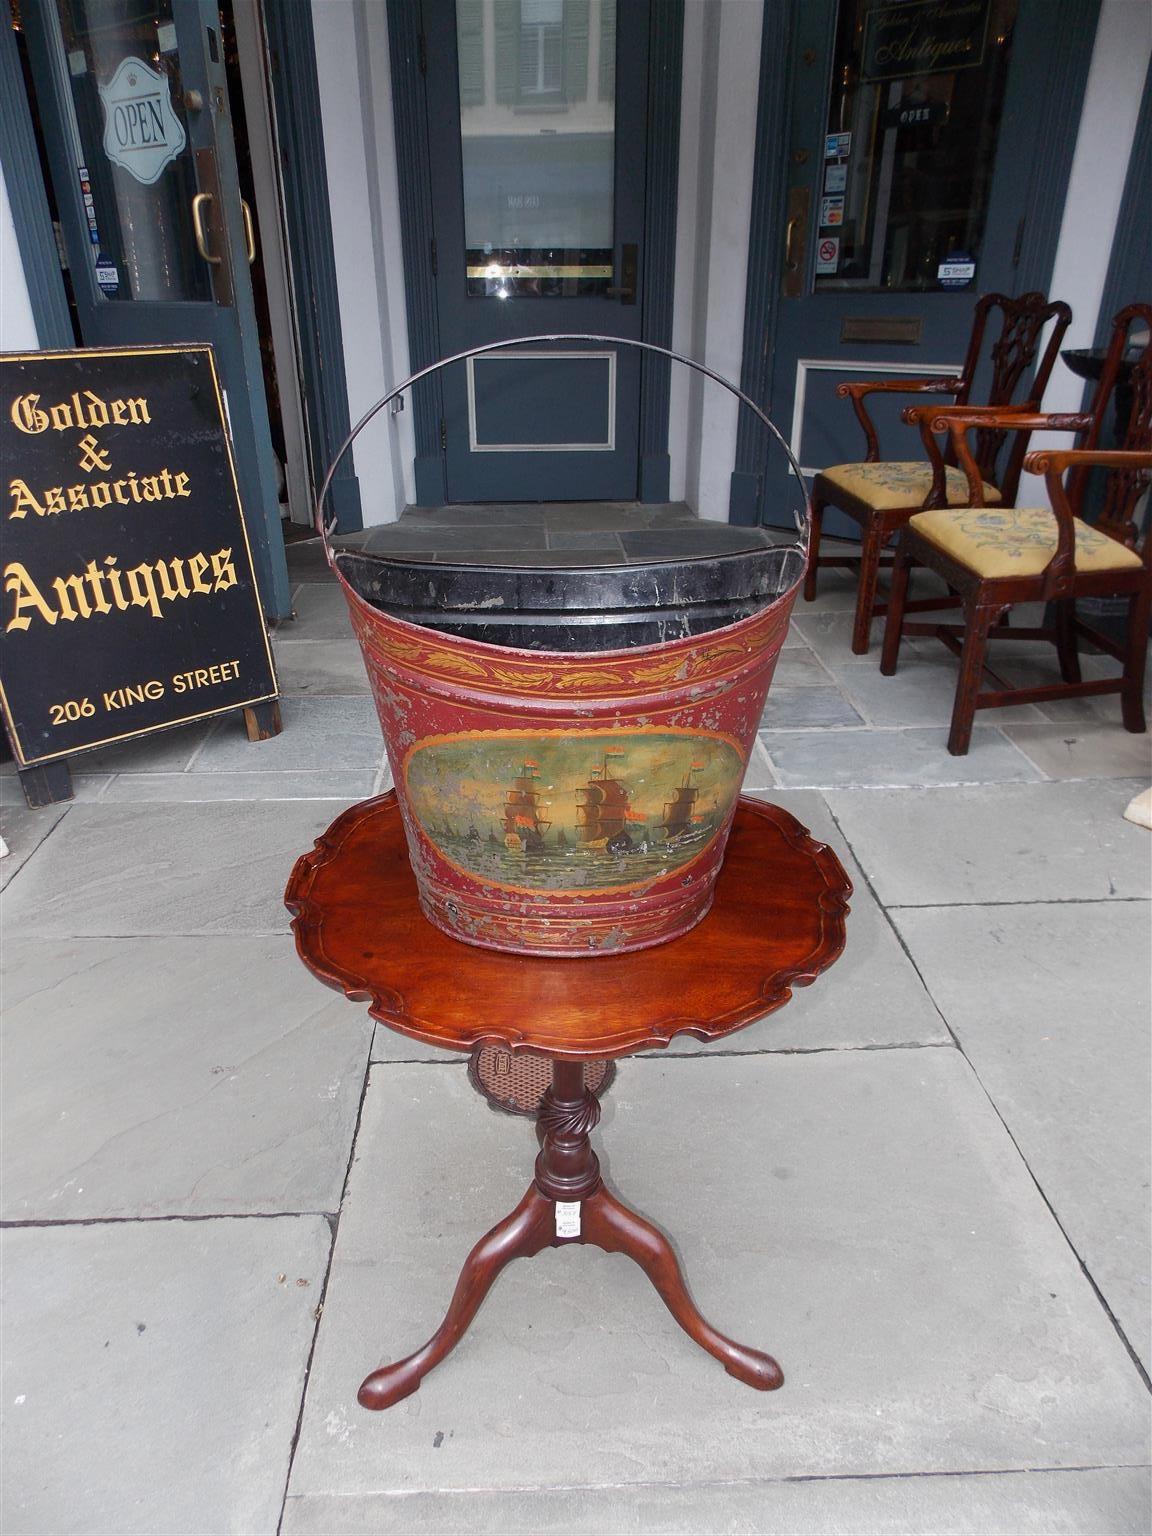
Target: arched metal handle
[249, 232]
[791, 261]
[199, 203]
[803, 520]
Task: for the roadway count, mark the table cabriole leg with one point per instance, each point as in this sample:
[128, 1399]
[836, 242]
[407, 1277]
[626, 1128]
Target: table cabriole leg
[530, 1227]
[615, 1228]
[567, 1169]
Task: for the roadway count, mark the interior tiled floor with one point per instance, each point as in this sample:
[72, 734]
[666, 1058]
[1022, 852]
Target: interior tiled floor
[923, 1184]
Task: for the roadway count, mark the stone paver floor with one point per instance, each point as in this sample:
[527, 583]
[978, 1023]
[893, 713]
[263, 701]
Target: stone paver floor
[923, 1185]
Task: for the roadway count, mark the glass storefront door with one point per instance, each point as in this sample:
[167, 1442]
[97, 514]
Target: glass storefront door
[536, 115]
[133, 104]
[911, 153]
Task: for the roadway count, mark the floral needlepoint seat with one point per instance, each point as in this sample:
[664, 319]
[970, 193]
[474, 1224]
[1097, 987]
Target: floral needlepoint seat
[887, 486]
[1017, 541]
[994, 557]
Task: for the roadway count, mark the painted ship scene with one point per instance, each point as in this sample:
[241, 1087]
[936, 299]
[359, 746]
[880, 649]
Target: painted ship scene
[577, 811]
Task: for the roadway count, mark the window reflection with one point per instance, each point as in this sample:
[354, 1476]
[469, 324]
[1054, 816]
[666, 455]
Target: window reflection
[914, 117]
[537, 125]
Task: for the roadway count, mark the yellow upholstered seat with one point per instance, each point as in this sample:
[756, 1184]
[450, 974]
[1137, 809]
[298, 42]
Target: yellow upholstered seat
[1015, 541]
[890, 486]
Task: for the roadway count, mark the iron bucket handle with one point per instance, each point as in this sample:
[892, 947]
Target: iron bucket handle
[803, 520]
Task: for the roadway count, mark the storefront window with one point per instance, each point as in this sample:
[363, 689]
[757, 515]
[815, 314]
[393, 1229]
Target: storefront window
[914, 117]
[538, 142]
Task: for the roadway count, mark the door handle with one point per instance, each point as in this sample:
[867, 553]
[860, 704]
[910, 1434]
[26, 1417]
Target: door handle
[249, 233]
[625, 290]
[199, 203]
[796, 242]
[790, 258]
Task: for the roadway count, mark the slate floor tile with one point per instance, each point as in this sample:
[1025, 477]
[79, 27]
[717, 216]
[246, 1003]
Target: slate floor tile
[404, 538]
[921, 693]
[153, 1372]
[758, 775]
[802, 707]
[307, 561]
[165, 752]
[1027, 842]
[320, 666]
[799, 668]
[600, 540]
[830, 636]
[321, 613]
[1040, 669]
[1084, 751]
[1051, 1005]
[138, 788]
[474, 515]
[325, 732]
[1106, 1501]
[477, 554]
[954, 1331]
[23, 830]
[691, 541]
[165, 869]
[149, 1077]
[871, 996]
[829, 759]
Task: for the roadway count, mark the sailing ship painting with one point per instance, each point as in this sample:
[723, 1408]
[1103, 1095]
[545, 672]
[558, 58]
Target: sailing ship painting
[579, 810]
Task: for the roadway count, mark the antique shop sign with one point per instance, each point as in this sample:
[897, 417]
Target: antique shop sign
[129, 601]
[926, 37]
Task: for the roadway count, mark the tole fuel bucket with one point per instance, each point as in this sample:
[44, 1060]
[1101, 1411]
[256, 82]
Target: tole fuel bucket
[568, 744]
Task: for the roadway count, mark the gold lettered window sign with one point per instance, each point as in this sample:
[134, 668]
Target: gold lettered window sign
[924, 37]
[129, 599]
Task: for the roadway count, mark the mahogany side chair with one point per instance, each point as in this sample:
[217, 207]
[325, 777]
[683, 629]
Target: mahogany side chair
[995, 557]
[881, 495]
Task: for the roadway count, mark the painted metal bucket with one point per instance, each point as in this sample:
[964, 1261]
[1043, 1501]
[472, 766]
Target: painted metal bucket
[568, 744]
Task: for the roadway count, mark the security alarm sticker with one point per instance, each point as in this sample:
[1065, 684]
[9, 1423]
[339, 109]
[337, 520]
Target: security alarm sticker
[835, 177]
[828, 254]
[831, 212]
[142, 133]
[956, 271]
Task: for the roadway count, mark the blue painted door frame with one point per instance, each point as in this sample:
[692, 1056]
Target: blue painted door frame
[224, 315]
[793, 352]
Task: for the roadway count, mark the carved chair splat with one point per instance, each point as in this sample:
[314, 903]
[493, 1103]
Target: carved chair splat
[881, 497]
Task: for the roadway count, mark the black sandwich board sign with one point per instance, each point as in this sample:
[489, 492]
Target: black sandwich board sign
[129, 599]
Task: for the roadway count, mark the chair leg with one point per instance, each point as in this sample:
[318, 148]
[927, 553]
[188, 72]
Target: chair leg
[1066, 649]
[977, 622]
[894, 624]
[1135, 659]
[873, 543]
[813, 550]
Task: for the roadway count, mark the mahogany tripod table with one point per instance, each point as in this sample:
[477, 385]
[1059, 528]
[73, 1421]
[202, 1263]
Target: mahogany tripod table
[777, 922]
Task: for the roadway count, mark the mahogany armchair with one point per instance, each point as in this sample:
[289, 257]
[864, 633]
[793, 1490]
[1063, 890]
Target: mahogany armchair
[995, 557]
[882, 495]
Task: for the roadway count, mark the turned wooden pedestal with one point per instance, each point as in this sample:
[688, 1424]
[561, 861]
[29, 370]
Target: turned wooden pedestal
[777, 922]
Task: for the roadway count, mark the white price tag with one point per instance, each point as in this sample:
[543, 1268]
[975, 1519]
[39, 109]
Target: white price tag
[567, 1218]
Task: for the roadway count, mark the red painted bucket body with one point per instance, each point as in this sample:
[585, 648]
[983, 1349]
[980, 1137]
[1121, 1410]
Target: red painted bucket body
[564, 802]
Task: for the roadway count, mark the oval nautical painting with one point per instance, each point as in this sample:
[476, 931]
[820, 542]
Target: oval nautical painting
[573, 810]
